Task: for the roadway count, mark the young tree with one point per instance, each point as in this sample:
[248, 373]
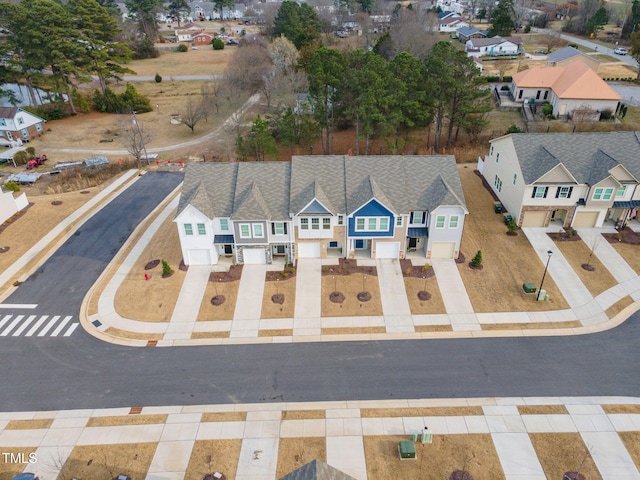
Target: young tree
[258, 144]
[586, 10]
[502, 19]
[177, 8]
[135, 139]
[283, 54]
[597, 21]
[247, 67]
[192, 113]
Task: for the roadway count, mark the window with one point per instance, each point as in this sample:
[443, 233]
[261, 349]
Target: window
[258, 232]
[315, 224]
[564, 192]
[540, 192]
[340, 220]
[603, 193]
[9, 136]
[333, 244]
[20, 120]
[224, 224]
[3, 122]
[515, 178]
[360, 224]
[278, 228]
[497, 183]
[25, 133]
[202, 229]
[38, 127]
[546, 94]
[399, 221]
[497, 157]
[621, 191]
[244, 230]
[188, 229]
[440, 221]
[491, 153]
[520, 94]
[304, 223]
[453, 221]
[538, 95]
[326, 224]
[373, 223]
[417, 218]
[384, 223]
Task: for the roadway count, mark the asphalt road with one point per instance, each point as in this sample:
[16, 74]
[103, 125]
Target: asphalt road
[82, 372]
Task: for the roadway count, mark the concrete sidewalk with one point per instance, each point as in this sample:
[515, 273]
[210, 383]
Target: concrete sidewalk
[342, 424]
[185, 313]
[454, 295]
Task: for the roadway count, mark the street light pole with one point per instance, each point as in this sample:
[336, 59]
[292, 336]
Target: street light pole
[549, 253]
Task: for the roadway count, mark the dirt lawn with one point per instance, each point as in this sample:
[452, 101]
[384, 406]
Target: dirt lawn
[210, 456]
[434, 305]
[104, 462]
[276, 310]
[508, 261]
[631, 442]
[577, 253]
[629, 253]
[437, 460]
[295, 452]
[153, 300]
[350, 286]
[204, 61]
[9, 469]
[563, 452]
[219, 312]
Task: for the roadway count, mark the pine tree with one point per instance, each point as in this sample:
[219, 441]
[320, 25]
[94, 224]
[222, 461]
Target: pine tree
[502, 19]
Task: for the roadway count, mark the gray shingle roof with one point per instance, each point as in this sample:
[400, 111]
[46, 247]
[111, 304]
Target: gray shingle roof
[563, 54]
[467, 31]
[588, 156]
[262, 188]
[217, 181]
[317, 470]
[324, 172]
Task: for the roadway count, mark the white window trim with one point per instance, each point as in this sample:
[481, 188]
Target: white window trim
[457, 221]
[340, 219]
[188, 229]
[275, 228]
[421, 214]
[241, 226]
[254, 227]
[304, 225]
[623, 193]
[367, 225]
[444, 221]
[539, 189]
[224, 227]
[399, 221]
[563, 192]
[204, 226]
[326, 223]
[604, 192]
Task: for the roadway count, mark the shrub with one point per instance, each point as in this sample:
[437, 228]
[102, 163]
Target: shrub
[547, 109]
[512, 226]
[574, 45]
[158, 78]
[513, 129]
[477, 260]
[128, 101]
[527, 28]
[325, 269]
[183, 47]
[606, 114]
[217, 44]
[285, 275]
[507, 78]
[31, 151]
[166, 268]
[407, 272]
[491, 79]
[21, 157]
[292, 270]
[12, 186]
[426, 267]
[504, 88]
[80, 101]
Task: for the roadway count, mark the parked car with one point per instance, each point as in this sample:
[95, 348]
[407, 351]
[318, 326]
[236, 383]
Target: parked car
[25, 476]
[620, 51]
[232, 42]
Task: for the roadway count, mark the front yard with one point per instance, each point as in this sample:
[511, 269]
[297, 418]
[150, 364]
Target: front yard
[508, 262]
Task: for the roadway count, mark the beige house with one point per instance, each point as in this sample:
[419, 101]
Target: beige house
[573, 89]
[566, 179]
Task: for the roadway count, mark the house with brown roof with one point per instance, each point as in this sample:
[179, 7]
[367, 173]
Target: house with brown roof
[571, 89]
[16, 123]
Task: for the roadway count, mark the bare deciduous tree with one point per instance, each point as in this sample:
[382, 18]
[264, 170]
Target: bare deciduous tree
[193, 112]
[246, 67]
[415, 32]
[553, 41]
[135, 139]
[59, 467]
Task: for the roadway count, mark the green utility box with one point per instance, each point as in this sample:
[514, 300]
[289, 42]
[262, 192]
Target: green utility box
[497, 207]
[529, 287]
[507, 218]
[407, 450]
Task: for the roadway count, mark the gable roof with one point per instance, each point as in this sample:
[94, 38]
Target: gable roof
[573, 81]
[8, 112]
[317, 470]
[485, 42]
[468, 31]
[563, 54]
[317, 175]
[262, 191]
[587, 156]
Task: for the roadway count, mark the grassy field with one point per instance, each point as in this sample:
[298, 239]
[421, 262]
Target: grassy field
[203, 61]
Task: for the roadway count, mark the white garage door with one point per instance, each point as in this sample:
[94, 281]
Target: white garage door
[309, 250]
[585, 219]
[443, 249]
[387, 249]
[254, 256]
[199, 257]
[534, 219]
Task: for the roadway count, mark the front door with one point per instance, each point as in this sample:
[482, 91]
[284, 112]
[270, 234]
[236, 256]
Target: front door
[228, 249]
[413, 242]
[360, 244]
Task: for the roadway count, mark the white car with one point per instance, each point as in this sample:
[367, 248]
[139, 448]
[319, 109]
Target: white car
[620, 51]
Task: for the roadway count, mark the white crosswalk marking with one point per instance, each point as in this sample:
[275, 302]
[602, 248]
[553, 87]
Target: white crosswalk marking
[37, 325]
[24, 326]
[5, 320]
[11, 326]
[61, 326]
[71, 329]
[44, 331]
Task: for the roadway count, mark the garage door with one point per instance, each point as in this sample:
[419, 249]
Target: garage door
[387, 249]
[309, 250]
[534, 219]
[443, 249]
[199, 257]
[585, 219]
[254, 256]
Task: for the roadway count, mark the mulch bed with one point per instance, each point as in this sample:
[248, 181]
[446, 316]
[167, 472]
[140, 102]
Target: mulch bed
[217, 300]
[408, 270]
[347, 266]
[4, 249]
[152, 264]
[573, 476]
[284, 274]
[588, 268]
[234, 273]
[167, 275]
[336, 297]
[364, 296]
[85, 191]
[487, 186]
[278, 298]
[182, 266]
[473, 267]
[460, 475]
[461, 258]
[423, 295]
[568, 235]
[624, 235]
[12, 220]
[56, 202]
[512, 234]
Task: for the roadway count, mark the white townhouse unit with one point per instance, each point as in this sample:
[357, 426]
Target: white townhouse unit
[321, 206]
[566, 179]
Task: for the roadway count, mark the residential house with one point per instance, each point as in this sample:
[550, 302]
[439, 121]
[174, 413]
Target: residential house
[478, 63]
[566, 179]
[467, 33]
[202, 39]
[566, 55]
[495, 46]
[452, 24]
[16, 123]
[572, 89]
[183, 35]
[321, 206]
